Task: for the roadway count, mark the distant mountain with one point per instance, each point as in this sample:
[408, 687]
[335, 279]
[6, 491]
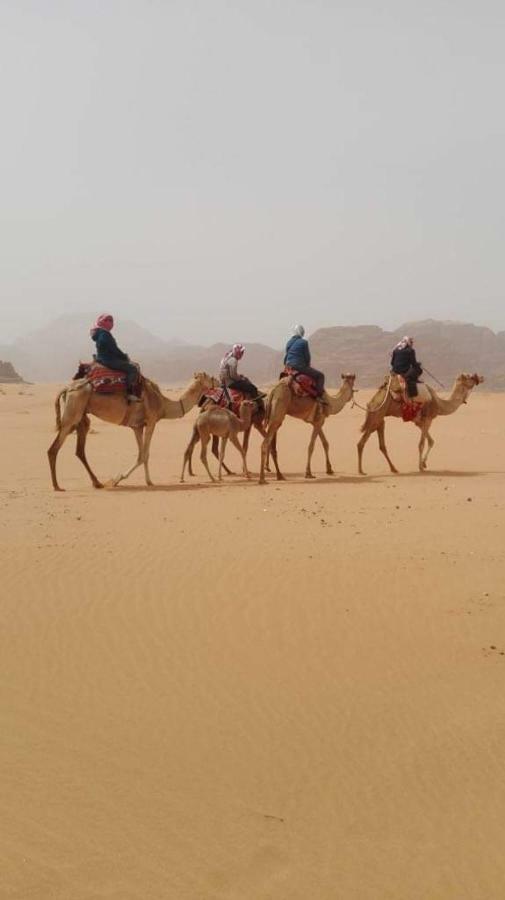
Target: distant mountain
[8, 374]
[445, 348]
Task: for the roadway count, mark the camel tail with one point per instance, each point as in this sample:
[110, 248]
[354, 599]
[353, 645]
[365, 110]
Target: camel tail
[57, 407]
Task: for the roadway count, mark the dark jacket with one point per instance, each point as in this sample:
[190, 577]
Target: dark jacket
[297, 353]
[107, 351]
[403, 360]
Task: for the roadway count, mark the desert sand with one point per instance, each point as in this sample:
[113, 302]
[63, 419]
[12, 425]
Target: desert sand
[290, 692]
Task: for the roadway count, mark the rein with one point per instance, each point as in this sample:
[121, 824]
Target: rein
[367, 408]
[182, 407]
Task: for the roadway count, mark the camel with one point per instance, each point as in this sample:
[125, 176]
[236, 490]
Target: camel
[283, 402]
[222, 423]
[257, 421]
[81, 401]
[387, 402]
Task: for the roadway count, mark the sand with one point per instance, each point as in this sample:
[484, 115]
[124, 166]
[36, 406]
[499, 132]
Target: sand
[290, 692]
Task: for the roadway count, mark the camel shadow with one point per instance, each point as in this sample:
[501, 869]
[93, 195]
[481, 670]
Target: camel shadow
[439, 473]
[293, 479]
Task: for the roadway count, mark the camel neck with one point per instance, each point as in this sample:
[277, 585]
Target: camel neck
[458, 396]
[176, 409]
[338, 402]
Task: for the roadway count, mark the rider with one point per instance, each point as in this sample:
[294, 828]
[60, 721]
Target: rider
[229, 375]
[298, 357]
[108, 354]
[404, 362]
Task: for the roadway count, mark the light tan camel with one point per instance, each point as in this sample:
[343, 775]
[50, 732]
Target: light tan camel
[80, 401]
[257, 420]
[283, 402]
[388, 402]
[222, 423]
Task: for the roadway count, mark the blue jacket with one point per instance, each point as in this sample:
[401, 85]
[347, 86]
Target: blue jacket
[297, 353]
[107, 351]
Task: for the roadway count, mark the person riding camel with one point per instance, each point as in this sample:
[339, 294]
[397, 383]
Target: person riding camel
[229, 375]
[297, 357]
[108, 354]
[404, 362]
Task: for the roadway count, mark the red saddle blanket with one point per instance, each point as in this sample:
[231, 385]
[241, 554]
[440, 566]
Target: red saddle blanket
[301, 385]
[410, 410]
[220, 395]
[104, 380]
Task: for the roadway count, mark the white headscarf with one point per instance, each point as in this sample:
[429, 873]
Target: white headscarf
[298, 331]
[406, 341]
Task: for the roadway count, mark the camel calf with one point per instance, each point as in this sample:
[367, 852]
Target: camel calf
[218, 422]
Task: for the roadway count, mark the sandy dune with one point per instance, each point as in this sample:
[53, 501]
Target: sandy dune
[293, 692]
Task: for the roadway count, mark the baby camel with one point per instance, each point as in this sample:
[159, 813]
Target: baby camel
[219, 422]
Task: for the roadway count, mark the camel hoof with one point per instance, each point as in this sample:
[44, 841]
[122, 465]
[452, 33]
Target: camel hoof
[280, 478]
[310, 475]
[59, 490]
[330, 472]
[97, 485]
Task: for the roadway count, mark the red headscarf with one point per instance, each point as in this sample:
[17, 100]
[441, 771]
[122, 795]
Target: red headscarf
[104, 321]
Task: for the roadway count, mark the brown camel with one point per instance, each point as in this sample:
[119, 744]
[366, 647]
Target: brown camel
[222, 423]
[388, 402]
[257, 421]
[283, 402]
[80, 401]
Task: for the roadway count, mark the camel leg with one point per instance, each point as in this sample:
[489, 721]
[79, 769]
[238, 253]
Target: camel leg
[80, 450]
[430, 447]
[148, 436]
[382, 444]
[215, 451]
[204, 440]
[326, 447]
[222, 448]
[270, 441]
[188, 453]
[139, 436]
[361, 446]
[273, 448]
[236, 443]
[315, 432]
[54, 449]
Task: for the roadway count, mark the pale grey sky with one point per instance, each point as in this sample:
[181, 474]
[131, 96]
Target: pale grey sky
[221, 170]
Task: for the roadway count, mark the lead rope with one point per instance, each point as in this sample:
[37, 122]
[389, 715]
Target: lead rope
[182, 407]
[367, 408]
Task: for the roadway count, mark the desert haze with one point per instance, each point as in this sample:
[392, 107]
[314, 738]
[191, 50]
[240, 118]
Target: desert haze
[268, 693]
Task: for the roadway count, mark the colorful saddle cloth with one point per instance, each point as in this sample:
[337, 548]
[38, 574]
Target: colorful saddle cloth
[301, 385]
[411, 406]
[228, 398]
[106, 381]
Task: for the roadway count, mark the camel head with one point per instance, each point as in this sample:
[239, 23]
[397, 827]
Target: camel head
[246, 411]
[205, 381]
[349, 379]
[469, 381]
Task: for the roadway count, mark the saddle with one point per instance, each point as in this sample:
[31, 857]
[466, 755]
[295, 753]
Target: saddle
[107, 381]
[411, 407]
[227, 398]
[300, 384]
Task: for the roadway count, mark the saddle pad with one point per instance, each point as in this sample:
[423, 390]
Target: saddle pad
[102, 379]
[423, 394]
[219, 397]
[301, 385]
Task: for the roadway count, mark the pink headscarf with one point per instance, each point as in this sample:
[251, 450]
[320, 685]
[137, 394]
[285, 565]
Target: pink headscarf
[105, 321]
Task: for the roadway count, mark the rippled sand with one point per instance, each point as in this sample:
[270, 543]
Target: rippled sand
[293, 692]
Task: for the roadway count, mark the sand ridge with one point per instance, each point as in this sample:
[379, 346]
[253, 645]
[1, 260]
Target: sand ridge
[239, 692]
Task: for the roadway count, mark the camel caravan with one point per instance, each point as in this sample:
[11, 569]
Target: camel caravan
[112, 388]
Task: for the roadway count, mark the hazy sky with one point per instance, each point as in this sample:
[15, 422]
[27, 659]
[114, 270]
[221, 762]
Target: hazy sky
[221, 170]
